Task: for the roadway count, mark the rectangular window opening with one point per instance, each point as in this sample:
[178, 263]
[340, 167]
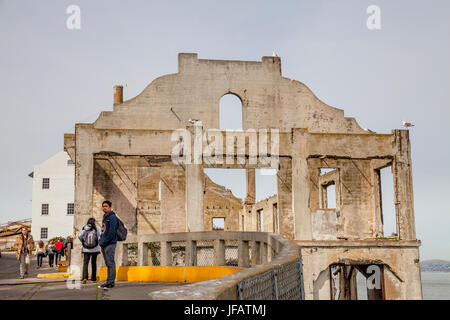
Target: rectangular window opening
[275, 218]
[260, 223]
[70, 208]
[387, 205]
[218, 223]
[45, 209]
[44, 233]
[45, 183]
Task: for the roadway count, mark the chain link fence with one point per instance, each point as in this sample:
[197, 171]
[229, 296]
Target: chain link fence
[154, 249]
[231, 253]
[178, 253]
[132, 254]
[205, 252]
[281, 283]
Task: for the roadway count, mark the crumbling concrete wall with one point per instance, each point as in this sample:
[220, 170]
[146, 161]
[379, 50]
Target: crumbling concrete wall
[270, 216]
[400, 259]
[219, 202]
[125, 154]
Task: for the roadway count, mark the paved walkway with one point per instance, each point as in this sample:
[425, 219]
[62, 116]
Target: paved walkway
[90, 291]
[9, 267]
[31, 288]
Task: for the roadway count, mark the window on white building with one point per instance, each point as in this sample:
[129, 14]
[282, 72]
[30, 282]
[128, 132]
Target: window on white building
[44, 233]
[70, 162]
[44, 210]
[70, 208]
[45, 183]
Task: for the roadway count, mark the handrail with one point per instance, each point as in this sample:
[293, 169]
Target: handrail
[268, 260]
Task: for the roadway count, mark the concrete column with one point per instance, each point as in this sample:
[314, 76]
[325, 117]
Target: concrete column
[121, 254]
[195, 183]
[142, 254]
[194, 198]
[191, 253]
[256, 253]
[219, 252]
[403, 186]
[251, 186]
[84, 168]
[243, 254]
[166, 253]
[263, 250]
[300, 185]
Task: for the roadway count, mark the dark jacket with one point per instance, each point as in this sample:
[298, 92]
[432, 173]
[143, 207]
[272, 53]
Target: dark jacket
[109, 229]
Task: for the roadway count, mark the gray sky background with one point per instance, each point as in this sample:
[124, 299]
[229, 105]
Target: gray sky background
[52, 77]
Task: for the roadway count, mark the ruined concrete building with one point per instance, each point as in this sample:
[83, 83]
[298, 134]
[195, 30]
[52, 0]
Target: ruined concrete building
[125, 156]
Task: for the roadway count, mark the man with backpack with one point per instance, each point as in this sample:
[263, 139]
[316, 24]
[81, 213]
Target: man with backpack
[108, 242]
[89, 238]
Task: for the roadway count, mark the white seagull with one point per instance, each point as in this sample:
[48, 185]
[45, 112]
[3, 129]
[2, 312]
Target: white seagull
[407, 124]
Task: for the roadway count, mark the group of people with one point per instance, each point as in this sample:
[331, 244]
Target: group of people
[54, 250]
[93, 240]
[25, 247]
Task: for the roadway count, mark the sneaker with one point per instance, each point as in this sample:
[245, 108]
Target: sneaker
[103, 286]
[83, 281]
[110, 286]
[22, 277]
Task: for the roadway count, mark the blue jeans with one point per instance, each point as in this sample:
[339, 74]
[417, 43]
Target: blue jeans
[108, 254]
[58, 257]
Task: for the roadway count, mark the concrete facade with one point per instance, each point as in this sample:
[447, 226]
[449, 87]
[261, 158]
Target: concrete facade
[118, 156]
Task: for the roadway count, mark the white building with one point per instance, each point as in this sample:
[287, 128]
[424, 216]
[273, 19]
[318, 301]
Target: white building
[53, 198]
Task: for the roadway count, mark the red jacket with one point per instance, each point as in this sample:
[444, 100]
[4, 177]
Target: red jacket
[59, 245]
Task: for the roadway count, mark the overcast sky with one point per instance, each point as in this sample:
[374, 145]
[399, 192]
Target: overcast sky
[52, 77]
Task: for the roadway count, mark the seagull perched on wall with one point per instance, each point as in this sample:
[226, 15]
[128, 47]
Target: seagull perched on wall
[193, 120]
[274, 54]
[407, 124]
[368, 130]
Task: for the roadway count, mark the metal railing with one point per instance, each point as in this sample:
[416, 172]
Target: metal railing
[272, 266]
[213, 248]
[281, 283]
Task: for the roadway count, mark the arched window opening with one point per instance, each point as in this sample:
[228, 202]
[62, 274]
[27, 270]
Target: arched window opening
[230, 113]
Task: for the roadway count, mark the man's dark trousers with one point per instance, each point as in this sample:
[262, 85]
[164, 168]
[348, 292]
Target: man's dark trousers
[108, 254]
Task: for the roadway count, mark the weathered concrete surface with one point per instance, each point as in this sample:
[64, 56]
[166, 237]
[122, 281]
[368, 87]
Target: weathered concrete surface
[123, 155]
[400, 258]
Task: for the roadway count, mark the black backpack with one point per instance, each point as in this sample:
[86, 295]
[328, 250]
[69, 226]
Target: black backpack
[121, 231]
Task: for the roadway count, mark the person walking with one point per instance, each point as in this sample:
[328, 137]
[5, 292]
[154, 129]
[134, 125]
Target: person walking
[24, 248]
[40, 253]
[51, 251]
[89, 238]
[59, 249]
[108, 242]
[68, 250]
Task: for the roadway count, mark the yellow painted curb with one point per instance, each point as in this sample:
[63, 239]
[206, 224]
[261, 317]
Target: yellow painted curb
[169, 274]
[53, 275]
